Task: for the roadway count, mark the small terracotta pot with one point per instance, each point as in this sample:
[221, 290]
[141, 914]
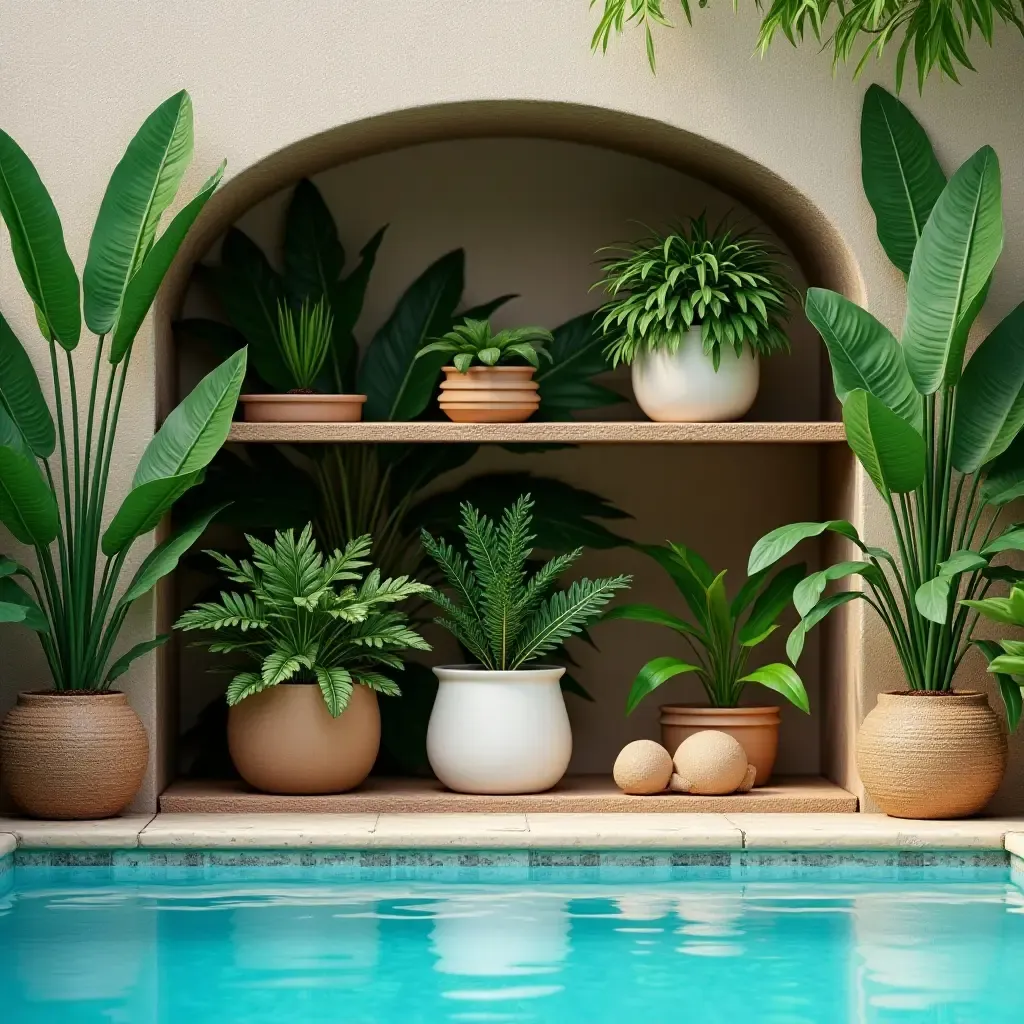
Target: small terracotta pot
[303, 408]
[757, 729]
[73, 755]
[284, 740]
[489, 394]
[927, 754]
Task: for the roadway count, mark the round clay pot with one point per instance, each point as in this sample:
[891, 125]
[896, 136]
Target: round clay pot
[928, 754]
[683, 386]
[499, 732]
[757, 729]
[489, 394]
[303, 408]
[74, 754]
[284, 740]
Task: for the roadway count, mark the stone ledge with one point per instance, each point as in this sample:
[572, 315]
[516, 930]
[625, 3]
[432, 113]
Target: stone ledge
[110, 833]
[8, 843]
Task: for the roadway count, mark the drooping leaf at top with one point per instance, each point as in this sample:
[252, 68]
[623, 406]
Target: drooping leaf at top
[313, 255]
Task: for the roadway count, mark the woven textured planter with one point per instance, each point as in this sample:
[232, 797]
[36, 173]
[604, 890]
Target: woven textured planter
[489, 394]
[757, 729]
[283, 740]
[925, 754]
[73, 755]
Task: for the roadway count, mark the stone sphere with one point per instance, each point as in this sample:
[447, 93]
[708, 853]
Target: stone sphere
[711, 763]
[642, 767]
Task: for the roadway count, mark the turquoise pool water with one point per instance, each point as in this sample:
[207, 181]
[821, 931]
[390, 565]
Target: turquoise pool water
[403, 953]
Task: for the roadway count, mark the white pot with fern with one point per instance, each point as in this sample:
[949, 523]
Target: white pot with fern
[305, 720]
[693, 312]
[500, 726]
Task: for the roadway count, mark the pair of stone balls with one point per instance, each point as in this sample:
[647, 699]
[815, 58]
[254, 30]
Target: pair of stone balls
[709, 763]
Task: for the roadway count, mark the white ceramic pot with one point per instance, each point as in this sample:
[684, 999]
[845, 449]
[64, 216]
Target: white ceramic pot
[683, 387]
[499, 732]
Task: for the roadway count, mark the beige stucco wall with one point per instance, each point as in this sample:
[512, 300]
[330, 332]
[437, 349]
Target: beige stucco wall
[77, 77]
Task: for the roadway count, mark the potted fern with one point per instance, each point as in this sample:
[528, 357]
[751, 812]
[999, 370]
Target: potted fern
[500, 726]
[721, 636]
[491, 376]
[79, 750]
[319, 631]
[692, 312]
[303, 340]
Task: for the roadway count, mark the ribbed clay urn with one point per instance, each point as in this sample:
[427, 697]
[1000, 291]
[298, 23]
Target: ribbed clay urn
[489, 394]
[931, 754]
[284, 740]
[757, 729]
[76, 754]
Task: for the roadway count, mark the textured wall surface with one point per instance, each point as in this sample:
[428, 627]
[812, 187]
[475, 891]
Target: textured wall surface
[76, 78]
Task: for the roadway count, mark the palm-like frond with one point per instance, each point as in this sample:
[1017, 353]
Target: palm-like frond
[298, 624]
[498, 614]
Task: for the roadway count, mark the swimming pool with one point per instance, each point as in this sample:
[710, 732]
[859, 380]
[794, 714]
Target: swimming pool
[76, 946]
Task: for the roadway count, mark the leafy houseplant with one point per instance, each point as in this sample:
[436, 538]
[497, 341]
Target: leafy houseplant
[303, 618]
[677, 302]
[492, 391]
[53, 482]
[721, 636]
[305, 339]
[499, 727]
[940, 440]
[934, 33]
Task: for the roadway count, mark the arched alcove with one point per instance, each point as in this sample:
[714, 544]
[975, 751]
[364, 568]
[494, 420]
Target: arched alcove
[489, 175]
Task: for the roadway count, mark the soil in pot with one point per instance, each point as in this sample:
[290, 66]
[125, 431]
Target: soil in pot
[73, 755]
[683, 386]
[284, 740]
[931, 754]
[489, 394]
[302, 407]
[757, 730]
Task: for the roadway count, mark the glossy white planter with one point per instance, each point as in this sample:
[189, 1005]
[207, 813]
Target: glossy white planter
[499, 732]
[683, 387]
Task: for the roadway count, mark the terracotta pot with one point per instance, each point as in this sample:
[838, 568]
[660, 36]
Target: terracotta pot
[926, 754]
[489, 394]
[73, 755]
[757, 729]
[303, 408]
[284, 740]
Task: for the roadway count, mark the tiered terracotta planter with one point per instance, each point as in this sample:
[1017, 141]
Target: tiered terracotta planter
[757, 730]
[284, 740]
[926, 754]
[489, 394]
[296, 408]
[73, 755]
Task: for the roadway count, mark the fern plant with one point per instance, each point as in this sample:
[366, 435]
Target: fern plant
[304, 337]
[728, 282]
[306, 618]
[503, 618]
[473, 342]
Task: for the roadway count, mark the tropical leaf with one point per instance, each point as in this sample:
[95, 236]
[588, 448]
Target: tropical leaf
[782, 679]
[797, 638]
[21, 395]
[952, 265]
[652, 675]
[141, 188]
[313, 255]
[11, 594]
[777, 544]
[577, 355]
[37, 241]
[123, 663]
[27, 505]
[808, 591]
[1004, 479]
[891, 451]
[653, 615]
[336, 686]
[1009, 688]
[143, 508]
[771, 603]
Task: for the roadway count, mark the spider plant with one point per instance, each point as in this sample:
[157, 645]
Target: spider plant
[473, 342]
[305, 340]
[306, 618]
[729, 283]
[53, 482]
[720, 642]
[500, 616]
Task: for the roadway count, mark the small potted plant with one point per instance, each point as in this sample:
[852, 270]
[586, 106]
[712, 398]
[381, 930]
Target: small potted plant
[319, 631]
[491, 376]
[304, 339]
[692, 312]
[79, 750]
[500, 726]
[721, 636]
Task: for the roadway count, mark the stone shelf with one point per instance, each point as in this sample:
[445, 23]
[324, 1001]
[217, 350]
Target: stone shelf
[575, 794]
[607, 432]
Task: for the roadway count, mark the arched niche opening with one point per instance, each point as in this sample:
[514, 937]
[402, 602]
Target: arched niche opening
[530, 191]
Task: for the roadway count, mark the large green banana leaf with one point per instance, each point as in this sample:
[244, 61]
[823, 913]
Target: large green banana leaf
[313, 255]
[891, 451]
[21, 395]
